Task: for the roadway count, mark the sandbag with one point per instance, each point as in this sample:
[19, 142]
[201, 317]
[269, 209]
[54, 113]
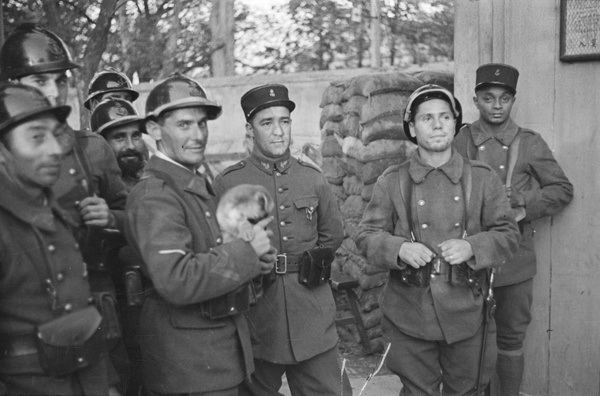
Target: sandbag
[384, 126]
[383, 103]
[354, 105]
[368, 172]
[370, 83]
[333, 170]
[378, 149]
[445, 79]
[350, 126]
[353, 207]
[330, 147]
[353, 185]
[332, 94]
[331, 112]
[330, 128]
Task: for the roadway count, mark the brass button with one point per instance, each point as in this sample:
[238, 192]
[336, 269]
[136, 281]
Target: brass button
[280, 189]
[72, 171]
[421, 202]
[282, 207]
[504, 147]
[90, 300]
[219, 240]
[68, 307]
[207, 214]
[285, 238]
[277, 174]
[60, 276]
[456, 225]
[501, 167]
[76, 246]
[433, 275]
[457, 198]
[77, 203]
[282, 224]
[424, 226]
[80, 360]
[481, 148]
[51, 248]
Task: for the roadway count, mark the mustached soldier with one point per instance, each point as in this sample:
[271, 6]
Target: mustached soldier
[437, 222]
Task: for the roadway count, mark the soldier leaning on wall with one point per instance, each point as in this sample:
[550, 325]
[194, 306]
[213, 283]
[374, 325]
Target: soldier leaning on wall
[89, 188]
[536, 186]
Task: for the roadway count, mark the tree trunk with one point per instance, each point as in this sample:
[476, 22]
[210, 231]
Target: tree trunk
[126, 39]
[222, 30]
[169, 60]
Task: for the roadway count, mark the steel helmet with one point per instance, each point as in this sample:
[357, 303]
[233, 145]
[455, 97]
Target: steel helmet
[429, 92]
[20, 103]
[111, 113]
[31, 50]
[178, 92]
[109, 80]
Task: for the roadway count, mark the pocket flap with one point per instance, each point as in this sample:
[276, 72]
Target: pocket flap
[306, 202]
[73, 329]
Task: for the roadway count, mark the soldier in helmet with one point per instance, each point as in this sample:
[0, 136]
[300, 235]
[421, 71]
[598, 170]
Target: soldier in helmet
[438, 222]
[89, 188]
[109, 83]
[194, 337]
[118, 122]
[43, 287]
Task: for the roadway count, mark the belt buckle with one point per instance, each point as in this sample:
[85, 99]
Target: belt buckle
[277, 270]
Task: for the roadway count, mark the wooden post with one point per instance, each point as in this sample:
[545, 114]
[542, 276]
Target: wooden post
[1, 25]
[222, 29]
[375, 34]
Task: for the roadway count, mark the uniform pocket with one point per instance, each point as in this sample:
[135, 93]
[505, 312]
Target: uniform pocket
[306, 218]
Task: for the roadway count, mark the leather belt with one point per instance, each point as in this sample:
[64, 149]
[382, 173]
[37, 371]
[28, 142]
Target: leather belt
[15, 345]
[287, 263]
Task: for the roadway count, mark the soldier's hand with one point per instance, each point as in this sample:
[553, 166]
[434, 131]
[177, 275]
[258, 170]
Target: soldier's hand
[267, 261]
[456, 251]
[95, 212]
[415, 254]
[518, 213]
[261, 242]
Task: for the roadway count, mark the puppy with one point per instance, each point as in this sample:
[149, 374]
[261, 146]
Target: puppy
[240, 208]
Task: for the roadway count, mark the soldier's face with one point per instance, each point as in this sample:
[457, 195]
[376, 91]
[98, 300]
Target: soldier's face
[433, 125]
[54, 86]
[128, 146]
[271, 129]
[494, 104]
[183, 136]
[36, 150]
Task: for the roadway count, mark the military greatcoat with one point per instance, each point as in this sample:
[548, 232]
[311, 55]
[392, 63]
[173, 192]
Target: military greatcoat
[174, 232]
[37, 243]
[440, 311]
[292, 323]
[537, 180]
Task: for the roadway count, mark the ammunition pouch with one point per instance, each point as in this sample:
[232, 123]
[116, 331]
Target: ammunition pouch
[107, 305]
[460, 275]
[134, 291]
[71, 342]
[314, 267]
[232, 303]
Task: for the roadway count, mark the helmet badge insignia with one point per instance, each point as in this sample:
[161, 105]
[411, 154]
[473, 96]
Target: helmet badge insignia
[117, 111]
[272, 93]
[497, 72]
[55, 49]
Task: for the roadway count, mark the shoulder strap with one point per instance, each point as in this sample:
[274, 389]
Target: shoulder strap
[467, 186]
[405, 187]
[513, 154]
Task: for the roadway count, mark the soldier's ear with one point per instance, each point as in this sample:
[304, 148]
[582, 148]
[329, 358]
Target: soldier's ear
[249, 130]
[154, 130]
[411, 127]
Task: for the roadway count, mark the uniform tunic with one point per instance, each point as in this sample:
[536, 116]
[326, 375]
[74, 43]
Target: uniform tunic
[36, 242]
[537, 177]
[292, 323]
[176, 236]
[440, 311]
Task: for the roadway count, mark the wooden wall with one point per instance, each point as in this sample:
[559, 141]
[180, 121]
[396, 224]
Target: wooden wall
[562, 102]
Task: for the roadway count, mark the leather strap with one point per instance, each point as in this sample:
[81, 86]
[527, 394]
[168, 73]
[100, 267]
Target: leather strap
[513, 154]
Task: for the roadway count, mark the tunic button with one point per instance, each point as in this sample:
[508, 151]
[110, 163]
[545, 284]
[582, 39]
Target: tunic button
[60, 277]
[219, 241]
[80, 360]
[501, 167]
[424, 226]
[207, 214]
[282, 207]
[457, 198]
[76, 246]
[504, 147]
[90, 300]
[421, 202]
[282, 224]
[76, 203]
[481, 148]
[433, 275]
[68, 307]
[277, 174]
[280, 189]
[456, 225]
[72, 171]
[51, 248]
[285, 238]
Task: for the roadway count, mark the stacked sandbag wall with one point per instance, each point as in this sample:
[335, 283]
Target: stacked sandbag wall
[361, 136]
